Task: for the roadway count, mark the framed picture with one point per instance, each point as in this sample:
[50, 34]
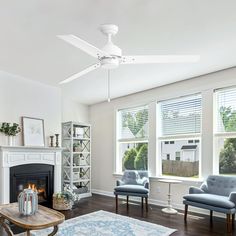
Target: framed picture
[33, 132]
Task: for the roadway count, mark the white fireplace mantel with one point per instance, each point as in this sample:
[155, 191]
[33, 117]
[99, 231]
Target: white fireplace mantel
[19, 155]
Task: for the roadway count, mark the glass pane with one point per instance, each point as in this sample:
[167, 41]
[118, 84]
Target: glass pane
[226, 110]
[134, 156]
[181, 116]
[227, 155]
[181, 158]
[133, 123]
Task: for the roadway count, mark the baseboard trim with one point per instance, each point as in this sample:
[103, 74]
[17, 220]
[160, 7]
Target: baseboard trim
[159, 203]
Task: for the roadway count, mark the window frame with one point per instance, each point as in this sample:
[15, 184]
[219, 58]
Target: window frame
[178, 137]
[217, 135]
[118, 141]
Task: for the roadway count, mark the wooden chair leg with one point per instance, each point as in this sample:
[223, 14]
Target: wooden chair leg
[211, 216]
[229, 226]
[233, 219]
[185, 213]
[146, 201]
[127, 202]
[142, 201]
[116, 203]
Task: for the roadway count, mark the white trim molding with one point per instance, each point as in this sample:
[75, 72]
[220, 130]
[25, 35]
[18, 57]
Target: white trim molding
[18, 155]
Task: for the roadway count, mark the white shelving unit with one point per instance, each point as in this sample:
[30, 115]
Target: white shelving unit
[76, 155]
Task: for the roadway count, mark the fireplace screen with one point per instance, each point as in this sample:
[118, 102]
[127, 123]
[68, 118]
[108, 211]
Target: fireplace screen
[38, 177]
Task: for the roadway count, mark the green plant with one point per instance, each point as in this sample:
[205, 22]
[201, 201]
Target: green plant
[140, 162]
[66, 195]
[129, 158]
[10, 130]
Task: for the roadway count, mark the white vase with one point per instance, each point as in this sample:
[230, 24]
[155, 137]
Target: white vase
[11, 140]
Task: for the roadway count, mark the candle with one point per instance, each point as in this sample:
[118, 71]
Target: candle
[27, 207]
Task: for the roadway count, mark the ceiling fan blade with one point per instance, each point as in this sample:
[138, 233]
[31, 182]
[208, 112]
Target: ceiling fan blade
[81, 73]
[83, 45]
[149, 59]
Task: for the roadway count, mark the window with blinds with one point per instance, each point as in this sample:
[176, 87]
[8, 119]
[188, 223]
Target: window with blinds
[226, 110]
[181, 116]
[133, 123]
[132, 139]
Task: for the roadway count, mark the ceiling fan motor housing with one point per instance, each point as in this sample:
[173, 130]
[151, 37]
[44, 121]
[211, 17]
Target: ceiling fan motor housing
[110, 62]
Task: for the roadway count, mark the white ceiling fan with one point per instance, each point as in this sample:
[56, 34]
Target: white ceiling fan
[110, 56]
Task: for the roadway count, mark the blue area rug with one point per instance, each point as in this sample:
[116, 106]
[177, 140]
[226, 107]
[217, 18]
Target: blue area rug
[103, 223]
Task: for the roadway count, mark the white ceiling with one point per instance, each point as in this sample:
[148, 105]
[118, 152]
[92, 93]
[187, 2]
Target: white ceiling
[29, 46]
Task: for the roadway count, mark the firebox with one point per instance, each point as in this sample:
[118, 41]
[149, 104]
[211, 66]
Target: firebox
[35, 176]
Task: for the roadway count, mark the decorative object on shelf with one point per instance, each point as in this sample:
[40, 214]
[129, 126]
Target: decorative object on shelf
[57, 140]
[33, 132]
[28, 202]
[79, 132]
[77, 147]
[51, 141]
[10, 131]
[82, 160]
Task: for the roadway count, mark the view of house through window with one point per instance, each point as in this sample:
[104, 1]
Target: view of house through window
[180, 159]
[179, 142]
[225, 130]
[132, 138]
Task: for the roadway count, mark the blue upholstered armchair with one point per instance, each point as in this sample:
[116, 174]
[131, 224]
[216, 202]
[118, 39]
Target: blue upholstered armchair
[133, 183]
[217, 193]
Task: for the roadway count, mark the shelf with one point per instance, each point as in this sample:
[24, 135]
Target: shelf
[78, 152]
[77, 139]
[74, 167]
[77, 181]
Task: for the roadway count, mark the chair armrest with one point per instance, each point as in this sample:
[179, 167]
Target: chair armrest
[194, 190]
[144, 182]
[119, 182]
[232, 197]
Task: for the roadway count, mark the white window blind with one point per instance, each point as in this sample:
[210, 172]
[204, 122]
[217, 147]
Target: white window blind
[181, 116]
[133, 123]
[226, 110]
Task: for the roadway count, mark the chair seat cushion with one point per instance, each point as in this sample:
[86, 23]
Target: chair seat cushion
[131, 189]
[210, 199]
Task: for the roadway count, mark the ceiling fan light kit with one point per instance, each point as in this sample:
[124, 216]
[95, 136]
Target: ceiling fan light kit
[110, 56]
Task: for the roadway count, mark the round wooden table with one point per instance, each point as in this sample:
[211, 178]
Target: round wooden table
[169, 209]
[43, 218]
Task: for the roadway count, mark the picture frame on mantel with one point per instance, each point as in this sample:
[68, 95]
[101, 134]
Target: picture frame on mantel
[33, 132]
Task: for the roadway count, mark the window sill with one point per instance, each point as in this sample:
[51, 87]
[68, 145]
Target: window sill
[183, 179]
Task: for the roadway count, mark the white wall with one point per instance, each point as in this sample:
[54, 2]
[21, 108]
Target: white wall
[74, 111]
[102, 118]
[21, 97]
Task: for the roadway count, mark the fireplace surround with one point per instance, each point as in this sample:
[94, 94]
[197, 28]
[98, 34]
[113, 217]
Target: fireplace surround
[35, 176]
[42, 159]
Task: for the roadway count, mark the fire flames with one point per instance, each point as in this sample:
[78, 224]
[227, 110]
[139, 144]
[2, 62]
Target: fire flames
[34, 188]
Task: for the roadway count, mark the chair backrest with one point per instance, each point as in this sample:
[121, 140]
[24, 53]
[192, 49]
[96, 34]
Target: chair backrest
[133, 176]
[220, 185]
[143, 173]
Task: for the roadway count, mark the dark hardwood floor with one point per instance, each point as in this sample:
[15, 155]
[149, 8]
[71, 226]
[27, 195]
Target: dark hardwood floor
[197, 225]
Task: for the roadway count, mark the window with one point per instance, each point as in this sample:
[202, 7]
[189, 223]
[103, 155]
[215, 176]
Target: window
[132, 139]
[177, 156]
[180, 121]
[168, 157]
[225, 131]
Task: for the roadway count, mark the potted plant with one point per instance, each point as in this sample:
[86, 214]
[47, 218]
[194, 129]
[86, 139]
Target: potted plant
[64, 200]
[10, 131]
